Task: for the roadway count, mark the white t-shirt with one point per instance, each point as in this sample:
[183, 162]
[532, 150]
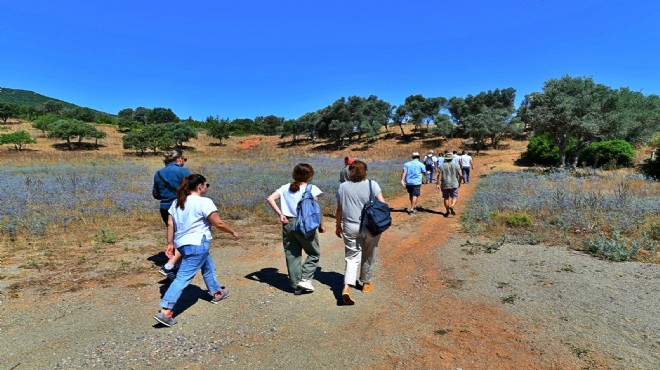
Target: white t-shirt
[456, 159]
[289, 201]
[191, 224]
[466, 160]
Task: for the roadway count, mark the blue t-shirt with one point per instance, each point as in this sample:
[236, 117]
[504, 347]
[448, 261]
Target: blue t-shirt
[414, 172]
[173, 174]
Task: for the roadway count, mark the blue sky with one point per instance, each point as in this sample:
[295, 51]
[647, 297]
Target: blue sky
[248, 58]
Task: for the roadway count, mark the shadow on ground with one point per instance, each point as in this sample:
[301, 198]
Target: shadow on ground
[276, 279]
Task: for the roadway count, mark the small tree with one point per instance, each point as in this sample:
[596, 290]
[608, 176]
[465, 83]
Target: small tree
[180, 132]
[8, 110]
[18, 139]
[66, 129]
[217, 128]
[43, 122]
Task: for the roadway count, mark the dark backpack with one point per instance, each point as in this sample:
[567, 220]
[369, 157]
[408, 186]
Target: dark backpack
[428, 161]
[375, 215]
[309, 214]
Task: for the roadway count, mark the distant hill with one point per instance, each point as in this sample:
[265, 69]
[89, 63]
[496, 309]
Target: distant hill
[25, 97]
[31, 98]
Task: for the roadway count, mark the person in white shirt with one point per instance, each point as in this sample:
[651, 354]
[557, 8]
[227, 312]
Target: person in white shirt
[429, 164]
[466, 166]
[300, 277]
[189, 229]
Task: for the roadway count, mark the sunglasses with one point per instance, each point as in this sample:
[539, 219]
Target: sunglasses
[208, 185]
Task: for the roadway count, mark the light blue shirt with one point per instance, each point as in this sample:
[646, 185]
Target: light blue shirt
[414, 172]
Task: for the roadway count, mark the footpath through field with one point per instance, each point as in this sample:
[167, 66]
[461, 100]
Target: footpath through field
[414, 317]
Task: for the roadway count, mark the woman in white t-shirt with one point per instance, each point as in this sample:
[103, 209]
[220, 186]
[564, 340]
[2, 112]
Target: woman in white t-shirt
[300, 277]
[189, 229]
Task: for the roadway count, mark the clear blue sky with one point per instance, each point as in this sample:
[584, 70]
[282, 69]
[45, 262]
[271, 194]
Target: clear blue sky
[246, 58]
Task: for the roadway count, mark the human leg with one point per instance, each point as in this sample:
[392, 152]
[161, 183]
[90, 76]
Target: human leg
[368, 246]
[190, 264]
[292, 254]
[209, 274]
[313, 251]
[466, 175]
[352, 252]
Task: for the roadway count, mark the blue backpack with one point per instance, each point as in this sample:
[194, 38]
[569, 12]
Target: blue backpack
[375, 215]
[309, 214]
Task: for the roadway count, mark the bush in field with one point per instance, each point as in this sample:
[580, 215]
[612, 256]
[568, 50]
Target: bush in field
[18, 139]
[158, 137]
[8, 110]
[515, 219]
[152, 137]
[611, 153]
[44, 121]
[617, 248]
[66, 129]
[541, 150]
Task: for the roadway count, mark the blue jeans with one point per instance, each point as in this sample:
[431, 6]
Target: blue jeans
[466, 174]
[194, 258]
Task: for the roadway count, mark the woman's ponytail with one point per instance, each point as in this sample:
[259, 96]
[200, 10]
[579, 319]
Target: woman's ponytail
[303, 172]
[188, 185]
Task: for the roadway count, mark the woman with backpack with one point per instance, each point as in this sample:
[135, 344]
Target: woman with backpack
[290, 195]
[359, 244]
[189, 229]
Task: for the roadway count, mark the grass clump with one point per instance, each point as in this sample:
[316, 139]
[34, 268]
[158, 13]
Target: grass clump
[515, 219]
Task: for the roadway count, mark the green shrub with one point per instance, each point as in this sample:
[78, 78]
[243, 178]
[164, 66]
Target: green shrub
[618, 248]
[515, 219]
[609, 154]
[18, 139]
[541, 150]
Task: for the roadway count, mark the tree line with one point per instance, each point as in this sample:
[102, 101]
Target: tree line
[567, 117]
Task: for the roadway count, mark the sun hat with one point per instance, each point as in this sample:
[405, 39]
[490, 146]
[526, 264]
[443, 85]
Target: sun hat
[415, 154]
[449, 156]
[431, 151]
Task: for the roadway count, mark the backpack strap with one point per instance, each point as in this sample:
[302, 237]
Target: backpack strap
[371, 193]
[167, 184]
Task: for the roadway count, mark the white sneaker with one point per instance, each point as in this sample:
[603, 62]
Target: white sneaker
[305, 285]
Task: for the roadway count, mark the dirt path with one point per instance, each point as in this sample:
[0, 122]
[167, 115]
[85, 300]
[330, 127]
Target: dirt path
[419, 315]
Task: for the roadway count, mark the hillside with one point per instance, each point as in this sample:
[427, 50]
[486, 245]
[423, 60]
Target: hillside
[33, 99]
[26, 97]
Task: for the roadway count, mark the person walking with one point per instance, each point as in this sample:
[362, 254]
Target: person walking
[359, 245]
[429, 164]
[166, 183]
[466, 166]
[300, 277]
[411, 179]
[449, 180]
[189, 231]
[343, 174]
[456, 158]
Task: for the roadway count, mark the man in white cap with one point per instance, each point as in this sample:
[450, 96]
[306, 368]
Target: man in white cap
[411, 179]
[449, 180]
[429, 164]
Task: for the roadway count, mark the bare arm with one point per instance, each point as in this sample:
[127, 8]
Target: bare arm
[403, 177]
[338, 220]
[215, 220]
[169, 252]
[273, 204]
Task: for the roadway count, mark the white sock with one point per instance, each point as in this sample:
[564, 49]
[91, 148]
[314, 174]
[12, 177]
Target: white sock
[169, 266]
